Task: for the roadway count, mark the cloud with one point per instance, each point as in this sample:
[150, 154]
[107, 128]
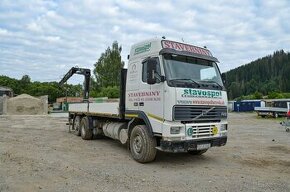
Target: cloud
[34, 27]
[44, 39]
[3, 32]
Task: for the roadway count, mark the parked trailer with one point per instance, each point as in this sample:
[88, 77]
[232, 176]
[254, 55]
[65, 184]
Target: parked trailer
[172, 99]
[280, 109]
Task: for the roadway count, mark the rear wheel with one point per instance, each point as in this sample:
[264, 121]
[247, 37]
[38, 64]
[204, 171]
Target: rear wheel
[197, 152]
[86, 132]
[76, 125]
[276, 115]
[142, 145]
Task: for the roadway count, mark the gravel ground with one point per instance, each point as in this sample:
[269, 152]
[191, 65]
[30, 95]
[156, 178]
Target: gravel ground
[38, 154]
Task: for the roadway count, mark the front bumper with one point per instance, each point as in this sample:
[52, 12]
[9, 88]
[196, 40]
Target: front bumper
[184, 146]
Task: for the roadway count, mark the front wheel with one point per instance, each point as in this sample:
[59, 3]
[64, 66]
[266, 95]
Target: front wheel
[142, 145]
[197, 152]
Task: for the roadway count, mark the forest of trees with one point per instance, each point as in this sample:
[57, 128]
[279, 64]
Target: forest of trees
[267, 76]
[52, 89]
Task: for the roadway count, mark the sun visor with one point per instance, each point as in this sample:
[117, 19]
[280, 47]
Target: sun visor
[189, 54]
[177, 48]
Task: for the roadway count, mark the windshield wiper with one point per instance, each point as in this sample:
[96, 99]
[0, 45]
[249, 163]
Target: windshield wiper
[183, 79]
[220, 86]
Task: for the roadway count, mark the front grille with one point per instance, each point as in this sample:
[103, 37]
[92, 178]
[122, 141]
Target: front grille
[200, 113]
[202, 131]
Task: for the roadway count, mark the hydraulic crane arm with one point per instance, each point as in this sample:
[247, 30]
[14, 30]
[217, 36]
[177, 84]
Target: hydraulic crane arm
[80, 71]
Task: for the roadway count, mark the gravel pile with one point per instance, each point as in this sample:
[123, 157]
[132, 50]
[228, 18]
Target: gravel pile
[25, 105]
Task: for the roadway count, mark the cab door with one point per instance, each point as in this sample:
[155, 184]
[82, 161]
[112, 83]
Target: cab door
[152, 96]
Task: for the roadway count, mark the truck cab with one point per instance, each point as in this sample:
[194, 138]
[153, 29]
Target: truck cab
[177, 89]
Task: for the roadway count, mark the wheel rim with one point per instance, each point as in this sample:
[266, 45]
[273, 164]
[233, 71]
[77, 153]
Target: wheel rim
[138, 144]
[83, 130]
[77, 124]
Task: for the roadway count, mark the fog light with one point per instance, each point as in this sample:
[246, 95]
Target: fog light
[175, 130]
[215, 130]
[224, 127]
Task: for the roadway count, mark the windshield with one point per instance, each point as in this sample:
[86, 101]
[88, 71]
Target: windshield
[194, 71]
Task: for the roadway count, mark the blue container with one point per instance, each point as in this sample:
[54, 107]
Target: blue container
[246, 105]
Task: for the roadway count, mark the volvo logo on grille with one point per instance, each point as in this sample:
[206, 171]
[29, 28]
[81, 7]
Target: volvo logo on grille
[204, 112]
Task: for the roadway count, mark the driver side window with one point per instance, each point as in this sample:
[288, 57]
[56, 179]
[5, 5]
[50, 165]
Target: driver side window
[144, 70]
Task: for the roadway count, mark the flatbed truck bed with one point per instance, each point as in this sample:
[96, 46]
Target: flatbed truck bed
[271, 111]
[100, 109]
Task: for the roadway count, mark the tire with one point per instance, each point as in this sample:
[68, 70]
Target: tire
[197, 152]
[142, 145]
[86, 132]
[276, 115]
[76, 125]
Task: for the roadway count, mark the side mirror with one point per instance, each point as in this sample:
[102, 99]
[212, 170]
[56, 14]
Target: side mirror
[151, 70]
[224, 78]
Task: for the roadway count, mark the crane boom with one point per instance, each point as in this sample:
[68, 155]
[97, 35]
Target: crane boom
[80, 71]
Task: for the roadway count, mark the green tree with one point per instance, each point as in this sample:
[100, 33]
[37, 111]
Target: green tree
[258, 95]
[107, 68]
[25, 79]
[110, 92]
[24, 83]
[234, 90]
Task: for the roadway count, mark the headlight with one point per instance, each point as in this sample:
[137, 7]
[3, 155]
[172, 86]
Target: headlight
[224, 127]
[175, 130]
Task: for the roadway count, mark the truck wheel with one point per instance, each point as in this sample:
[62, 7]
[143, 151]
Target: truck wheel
[276, 115]
[142, 145]
[197, 152]
[86, 132]
[76, 125]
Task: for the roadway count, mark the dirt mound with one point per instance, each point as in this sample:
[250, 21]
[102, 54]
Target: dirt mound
[25, 105]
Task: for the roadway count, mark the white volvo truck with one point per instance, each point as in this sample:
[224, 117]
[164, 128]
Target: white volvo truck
[172, 99]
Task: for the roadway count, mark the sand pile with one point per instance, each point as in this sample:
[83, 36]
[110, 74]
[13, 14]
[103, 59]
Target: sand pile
[25, 105]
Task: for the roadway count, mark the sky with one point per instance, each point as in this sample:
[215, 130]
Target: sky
[45, 38]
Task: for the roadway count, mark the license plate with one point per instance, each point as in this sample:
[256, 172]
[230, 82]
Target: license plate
[203, 146]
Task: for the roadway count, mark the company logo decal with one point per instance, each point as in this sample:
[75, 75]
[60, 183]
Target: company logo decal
[201, 102]
[185, 47]
[202, 93]
[143, 49]
[189, 131]
[144, 96]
